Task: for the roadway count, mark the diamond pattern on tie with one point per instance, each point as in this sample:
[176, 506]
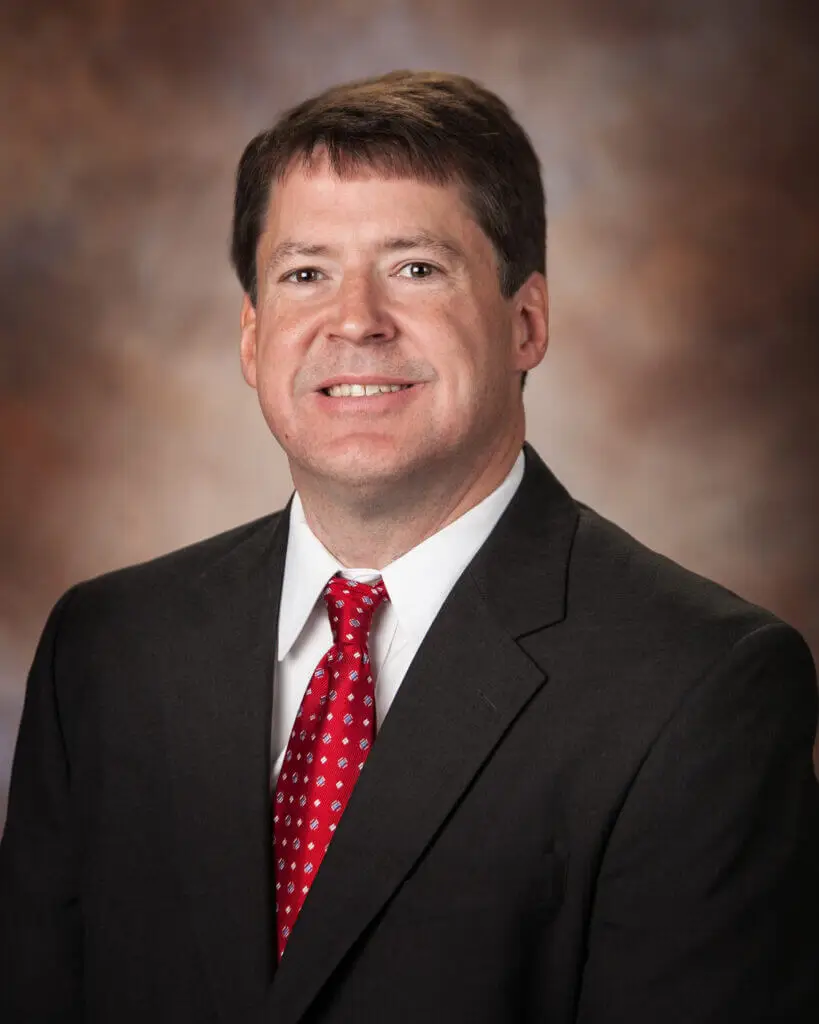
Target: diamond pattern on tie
[331, 738]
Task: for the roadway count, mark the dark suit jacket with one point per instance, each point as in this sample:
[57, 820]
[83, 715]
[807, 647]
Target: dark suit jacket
[592, 801]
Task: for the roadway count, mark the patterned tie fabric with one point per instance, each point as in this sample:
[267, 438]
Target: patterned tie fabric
[331, 738]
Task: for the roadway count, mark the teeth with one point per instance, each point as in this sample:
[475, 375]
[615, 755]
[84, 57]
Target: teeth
[362, 390]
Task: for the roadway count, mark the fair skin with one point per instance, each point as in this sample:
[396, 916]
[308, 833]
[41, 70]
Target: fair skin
[370, 280]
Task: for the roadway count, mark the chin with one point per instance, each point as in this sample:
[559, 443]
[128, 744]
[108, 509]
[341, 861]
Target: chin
[360, 467]
[360, 471]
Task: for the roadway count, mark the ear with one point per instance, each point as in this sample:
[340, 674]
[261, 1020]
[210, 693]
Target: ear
[247, 346]
[531, 335]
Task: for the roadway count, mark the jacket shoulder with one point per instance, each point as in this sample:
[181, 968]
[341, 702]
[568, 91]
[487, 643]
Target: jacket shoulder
[647, 599]
[164, 576]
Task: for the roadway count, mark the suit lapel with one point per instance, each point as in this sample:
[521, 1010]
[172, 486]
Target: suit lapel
[454, 707]
[217, 701]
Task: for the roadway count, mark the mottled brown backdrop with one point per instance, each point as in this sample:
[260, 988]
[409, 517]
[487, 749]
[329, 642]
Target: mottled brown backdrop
[680, 143]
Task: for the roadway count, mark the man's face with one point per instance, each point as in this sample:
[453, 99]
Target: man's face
[380, 346]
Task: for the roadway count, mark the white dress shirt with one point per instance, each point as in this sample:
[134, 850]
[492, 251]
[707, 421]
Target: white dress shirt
[418, 583]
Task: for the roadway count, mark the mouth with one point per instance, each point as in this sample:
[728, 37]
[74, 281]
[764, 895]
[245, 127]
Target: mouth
[363, 390]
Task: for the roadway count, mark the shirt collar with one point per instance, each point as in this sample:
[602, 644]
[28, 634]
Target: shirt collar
[308, 566]
[418, 582]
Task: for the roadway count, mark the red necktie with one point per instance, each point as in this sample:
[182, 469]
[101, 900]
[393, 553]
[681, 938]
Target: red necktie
[331, 738]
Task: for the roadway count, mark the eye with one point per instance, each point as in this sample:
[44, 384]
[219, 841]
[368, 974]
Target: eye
[304, 275]
[418, 269]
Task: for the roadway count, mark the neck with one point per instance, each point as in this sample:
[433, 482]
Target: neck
[371, 527]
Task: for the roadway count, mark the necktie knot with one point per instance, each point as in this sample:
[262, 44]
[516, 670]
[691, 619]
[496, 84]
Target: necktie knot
[351, 605]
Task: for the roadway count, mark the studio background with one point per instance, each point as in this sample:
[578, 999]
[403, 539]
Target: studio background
[680, 394]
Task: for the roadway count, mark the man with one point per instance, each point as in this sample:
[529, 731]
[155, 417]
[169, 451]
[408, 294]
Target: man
[436, 742]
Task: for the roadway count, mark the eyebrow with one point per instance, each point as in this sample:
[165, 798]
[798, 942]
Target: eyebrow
[420, 240]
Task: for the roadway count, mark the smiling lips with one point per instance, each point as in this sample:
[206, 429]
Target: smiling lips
[363, 390]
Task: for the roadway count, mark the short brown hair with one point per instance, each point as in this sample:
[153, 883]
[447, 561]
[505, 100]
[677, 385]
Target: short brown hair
[427, 125]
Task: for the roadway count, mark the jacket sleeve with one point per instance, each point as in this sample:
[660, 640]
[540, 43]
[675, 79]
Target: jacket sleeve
[707, 900]
[40, 914]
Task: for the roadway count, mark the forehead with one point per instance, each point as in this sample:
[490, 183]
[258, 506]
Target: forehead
[314, 194]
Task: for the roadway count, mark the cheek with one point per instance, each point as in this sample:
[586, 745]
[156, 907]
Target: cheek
[280, 351]
[472, 359]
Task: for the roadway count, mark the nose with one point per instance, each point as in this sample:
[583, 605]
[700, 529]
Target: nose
[359, 313]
